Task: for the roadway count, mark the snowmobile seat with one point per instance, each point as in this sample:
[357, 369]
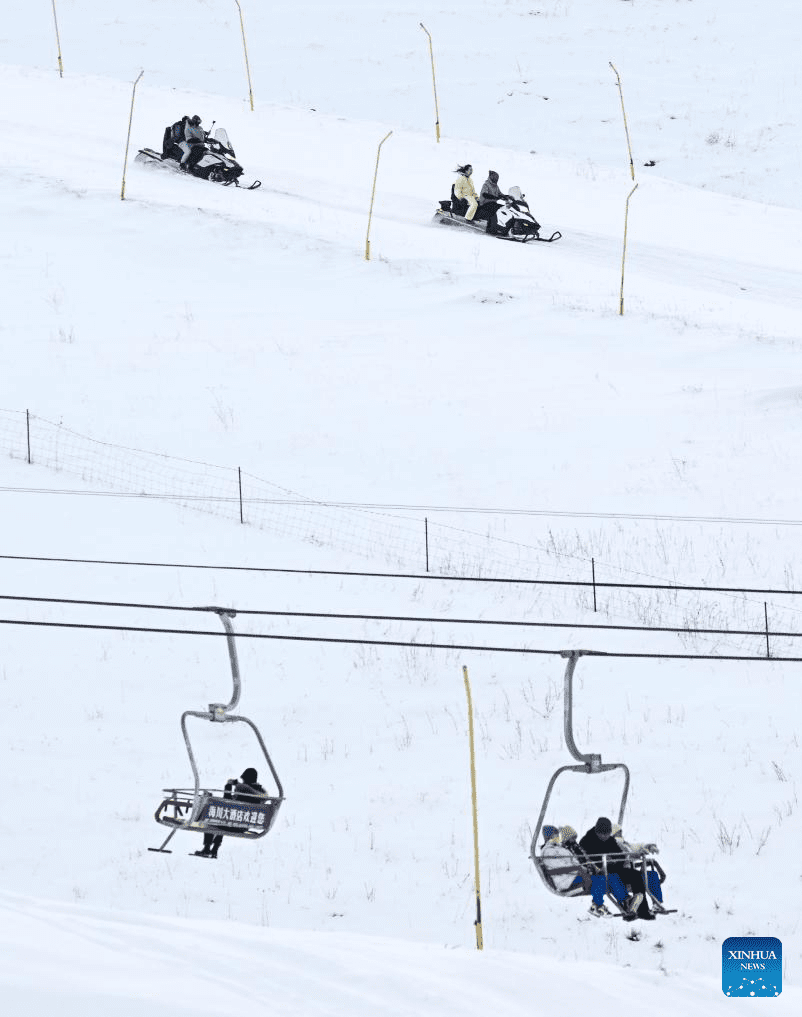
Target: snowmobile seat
[459, 206]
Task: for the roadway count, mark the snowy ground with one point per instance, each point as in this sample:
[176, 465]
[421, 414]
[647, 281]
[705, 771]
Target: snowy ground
[248, 330]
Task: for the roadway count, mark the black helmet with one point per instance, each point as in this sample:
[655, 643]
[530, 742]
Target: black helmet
[195, 120]
[250, 775]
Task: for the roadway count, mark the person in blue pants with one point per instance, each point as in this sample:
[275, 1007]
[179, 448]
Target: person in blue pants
[564, 861]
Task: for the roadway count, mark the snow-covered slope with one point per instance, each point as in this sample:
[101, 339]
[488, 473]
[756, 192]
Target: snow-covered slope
[247, 330]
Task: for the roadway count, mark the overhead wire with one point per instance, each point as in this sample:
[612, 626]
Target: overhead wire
[418, 619]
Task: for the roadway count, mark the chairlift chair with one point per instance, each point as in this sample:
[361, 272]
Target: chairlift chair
[211, 810]
[589, 763]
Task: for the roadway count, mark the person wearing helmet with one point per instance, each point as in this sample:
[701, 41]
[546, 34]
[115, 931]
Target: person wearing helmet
[490, 200]
[193, 145]
[246, 789]
[173, 136]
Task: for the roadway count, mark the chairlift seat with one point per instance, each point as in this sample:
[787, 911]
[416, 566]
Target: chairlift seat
[216, 813]
[580, 890]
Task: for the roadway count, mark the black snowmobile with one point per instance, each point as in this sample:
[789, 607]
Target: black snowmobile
[217, 163]
[508, 218]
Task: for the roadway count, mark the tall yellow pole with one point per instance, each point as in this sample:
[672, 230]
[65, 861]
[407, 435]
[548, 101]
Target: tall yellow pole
[245, 48]
[58, 42]
[434, 83]
[128, 139]
[626, 125]
[373, 194]
[624, 255]
[478, 922]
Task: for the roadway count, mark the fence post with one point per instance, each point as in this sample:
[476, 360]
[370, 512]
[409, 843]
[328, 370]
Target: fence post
[28, 433]
[426, 535]
[766, 615]
[593, 573]
[239, 478]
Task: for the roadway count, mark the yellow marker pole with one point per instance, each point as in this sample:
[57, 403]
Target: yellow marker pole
[434, 83]
[373, 194]
[626, 125]
[245, 48]
[478, 922]
[128, 139]
[58, 42]
[624, 255]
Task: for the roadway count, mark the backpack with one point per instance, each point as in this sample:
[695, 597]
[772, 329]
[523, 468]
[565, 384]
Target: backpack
[177, 130]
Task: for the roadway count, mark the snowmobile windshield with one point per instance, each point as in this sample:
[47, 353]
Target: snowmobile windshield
[221, 136]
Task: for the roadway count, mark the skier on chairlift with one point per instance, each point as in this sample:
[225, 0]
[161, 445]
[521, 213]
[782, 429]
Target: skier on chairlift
[246, 789]
[599, 884]
[599, 841]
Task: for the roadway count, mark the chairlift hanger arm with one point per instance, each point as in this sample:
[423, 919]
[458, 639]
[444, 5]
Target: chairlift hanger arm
[600, 768]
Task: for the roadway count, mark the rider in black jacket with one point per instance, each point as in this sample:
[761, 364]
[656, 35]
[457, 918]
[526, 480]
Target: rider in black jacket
[598, 841]
[246, 789]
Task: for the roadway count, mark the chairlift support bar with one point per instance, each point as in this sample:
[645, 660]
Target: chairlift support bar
[589, 762]
[218, 713]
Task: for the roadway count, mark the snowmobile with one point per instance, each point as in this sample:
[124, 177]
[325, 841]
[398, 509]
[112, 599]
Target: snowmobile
[508, 218]
[217, 163]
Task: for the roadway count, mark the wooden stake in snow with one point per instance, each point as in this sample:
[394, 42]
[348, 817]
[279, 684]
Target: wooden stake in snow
[434, 83]
[626, 125]
[58, 43]
[373, 194]
[478, 922]
[624, 254]
[128, 139]
[245, 49]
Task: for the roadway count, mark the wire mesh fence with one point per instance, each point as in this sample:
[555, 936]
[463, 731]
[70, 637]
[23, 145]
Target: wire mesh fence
[396, 539]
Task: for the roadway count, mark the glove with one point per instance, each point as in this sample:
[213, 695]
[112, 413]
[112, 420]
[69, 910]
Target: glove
[653, 848]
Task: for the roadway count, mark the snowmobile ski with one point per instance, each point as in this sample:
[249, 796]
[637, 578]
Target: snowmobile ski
[519, 234]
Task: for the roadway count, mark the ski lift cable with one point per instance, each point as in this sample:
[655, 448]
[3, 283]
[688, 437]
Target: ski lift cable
[418, 619]
[412, 644]
[509, 580]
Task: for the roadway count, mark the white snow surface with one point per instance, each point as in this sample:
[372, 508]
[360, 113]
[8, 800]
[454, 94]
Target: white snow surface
[448, 373]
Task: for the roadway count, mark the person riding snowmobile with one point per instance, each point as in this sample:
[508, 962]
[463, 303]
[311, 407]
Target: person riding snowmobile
[193, 145]
[463, 194]
[173, 136]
